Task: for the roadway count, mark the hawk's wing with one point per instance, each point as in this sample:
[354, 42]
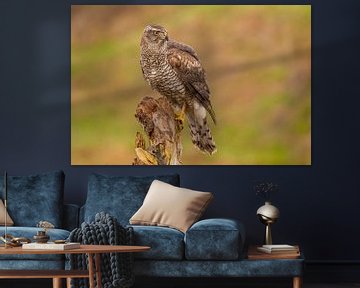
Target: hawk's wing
[186, 63]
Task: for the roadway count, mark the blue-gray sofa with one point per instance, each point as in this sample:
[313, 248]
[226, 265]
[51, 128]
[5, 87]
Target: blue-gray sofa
[32, 199]
[210, 248]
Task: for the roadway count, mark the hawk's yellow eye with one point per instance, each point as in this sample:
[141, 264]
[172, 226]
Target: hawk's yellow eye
[156, 32]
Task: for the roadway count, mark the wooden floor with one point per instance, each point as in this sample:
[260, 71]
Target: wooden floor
[45, 283]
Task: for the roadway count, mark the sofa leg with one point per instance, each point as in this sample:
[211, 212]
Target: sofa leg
[57, 283]
[297, 282]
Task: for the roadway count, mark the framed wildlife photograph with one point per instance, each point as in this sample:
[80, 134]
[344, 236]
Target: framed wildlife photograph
[191, 85]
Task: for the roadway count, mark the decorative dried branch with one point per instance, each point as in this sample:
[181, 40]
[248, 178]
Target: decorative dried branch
[265, 189]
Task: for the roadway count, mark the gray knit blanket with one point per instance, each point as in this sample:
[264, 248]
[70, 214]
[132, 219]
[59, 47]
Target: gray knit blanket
[116, 268]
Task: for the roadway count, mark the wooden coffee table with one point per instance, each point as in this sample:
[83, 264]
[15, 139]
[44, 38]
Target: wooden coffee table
[255, 255]
[57, 275]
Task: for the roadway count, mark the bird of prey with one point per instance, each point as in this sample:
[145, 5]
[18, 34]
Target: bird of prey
[174, 70]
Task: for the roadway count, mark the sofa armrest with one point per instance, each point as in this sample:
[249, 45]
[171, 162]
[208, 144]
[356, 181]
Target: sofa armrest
[215, 239]
[71, 216]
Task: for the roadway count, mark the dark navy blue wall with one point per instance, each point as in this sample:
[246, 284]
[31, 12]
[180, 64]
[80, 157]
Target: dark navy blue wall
[318, 203]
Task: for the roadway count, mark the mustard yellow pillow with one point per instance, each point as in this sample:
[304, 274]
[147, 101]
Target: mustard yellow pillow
[170, 206]
[10, 222]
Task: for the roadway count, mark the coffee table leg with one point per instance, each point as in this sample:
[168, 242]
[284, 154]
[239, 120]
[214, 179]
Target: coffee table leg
[98, 270]
[57, 283]
[68, 282]
[297, 282]
[91, 270]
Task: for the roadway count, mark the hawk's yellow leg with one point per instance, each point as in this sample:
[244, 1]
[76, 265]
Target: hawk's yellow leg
[180, 118]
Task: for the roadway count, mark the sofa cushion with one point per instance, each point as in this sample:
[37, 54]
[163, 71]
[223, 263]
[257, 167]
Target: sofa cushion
[9, 221]
[214, 239]
[165, 243]
[169, 206]
[35, 198]
[29, 232]
[120, 196]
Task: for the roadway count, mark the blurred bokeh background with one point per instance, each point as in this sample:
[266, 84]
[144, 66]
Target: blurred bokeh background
[258, 64]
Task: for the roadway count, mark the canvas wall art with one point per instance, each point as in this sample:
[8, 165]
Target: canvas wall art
[191, 85]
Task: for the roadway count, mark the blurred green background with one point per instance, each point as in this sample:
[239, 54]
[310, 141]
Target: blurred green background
[258, 64]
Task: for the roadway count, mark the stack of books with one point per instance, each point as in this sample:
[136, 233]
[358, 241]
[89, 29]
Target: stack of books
[273, 252]
[279, 249]
[51, 246]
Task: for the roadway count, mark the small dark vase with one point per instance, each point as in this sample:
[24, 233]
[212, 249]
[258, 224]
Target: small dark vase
[41, 237]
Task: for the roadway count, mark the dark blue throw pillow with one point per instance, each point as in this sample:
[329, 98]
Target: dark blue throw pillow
[35, 198]
[120, 196]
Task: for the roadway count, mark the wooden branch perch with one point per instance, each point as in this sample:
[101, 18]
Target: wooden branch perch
[162, 130]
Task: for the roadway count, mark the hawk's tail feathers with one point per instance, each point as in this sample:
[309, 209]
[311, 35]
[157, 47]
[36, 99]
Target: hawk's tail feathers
[201, 136]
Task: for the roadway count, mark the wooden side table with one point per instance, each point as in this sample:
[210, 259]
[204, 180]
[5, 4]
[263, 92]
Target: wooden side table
[254, 254]
[93, 251]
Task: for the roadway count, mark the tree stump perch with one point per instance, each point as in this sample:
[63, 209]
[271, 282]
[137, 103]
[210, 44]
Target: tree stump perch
[162, 129]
